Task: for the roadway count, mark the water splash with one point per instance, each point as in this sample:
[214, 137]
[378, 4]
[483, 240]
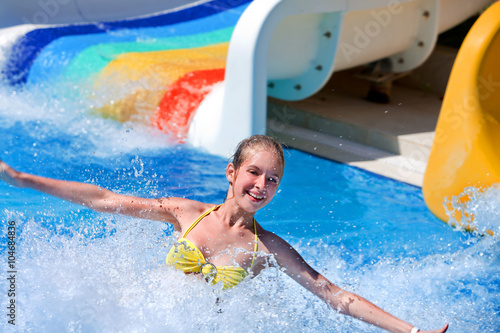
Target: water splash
[476, 210]
[115, 279]
[59, 113]
[119, 282]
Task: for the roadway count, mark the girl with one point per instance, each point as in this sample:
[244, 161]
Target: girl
[212, 236]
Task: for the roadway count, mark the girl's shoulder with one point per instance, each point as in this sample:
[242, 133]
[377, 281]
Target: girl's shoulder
[187, 211]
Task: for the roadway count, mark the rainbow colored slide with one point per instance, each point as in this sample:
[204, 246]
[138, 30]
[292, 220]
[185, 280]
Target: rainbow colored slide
[154, 70]
[465, 151]
[202, 70]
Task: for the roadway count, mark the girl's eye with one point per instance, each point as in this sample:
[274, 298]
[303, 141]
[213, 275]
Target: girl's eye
[274, 180]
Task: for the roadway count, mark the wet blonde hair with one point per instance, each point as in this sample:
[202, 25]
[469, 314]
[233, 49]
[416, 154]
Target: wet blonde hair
[249, 146]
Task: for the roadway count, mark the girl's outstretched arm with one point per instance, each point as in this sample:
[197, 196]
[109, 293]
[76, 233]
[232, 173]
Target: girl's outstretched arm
[101, 199]
[341, 300]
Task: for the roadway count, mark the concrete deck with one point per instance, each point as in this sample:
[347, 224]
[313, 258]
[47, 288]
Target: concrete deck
[393, 140]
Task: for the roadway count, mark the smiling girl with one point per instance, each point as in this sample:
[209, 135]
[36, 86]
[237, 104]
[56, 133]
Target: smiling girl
[212, 236]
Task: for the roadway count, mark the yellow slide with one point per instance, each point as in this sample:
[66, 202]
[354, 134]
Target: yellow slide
[466, 149]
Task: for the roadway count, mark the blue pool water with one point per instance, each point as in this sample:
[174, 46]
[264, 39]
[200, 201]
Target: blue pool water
[86, 272]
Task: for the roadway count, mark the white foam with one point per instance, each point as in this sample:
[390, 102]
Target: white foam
[480, 211]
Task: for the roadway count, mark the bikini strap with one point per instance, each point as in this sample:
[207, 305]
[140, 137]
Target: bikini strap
[256, 243]
[199, 219]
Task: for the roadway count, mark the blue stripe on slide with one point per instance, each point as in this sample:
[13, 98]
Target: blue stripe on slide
[26, 49]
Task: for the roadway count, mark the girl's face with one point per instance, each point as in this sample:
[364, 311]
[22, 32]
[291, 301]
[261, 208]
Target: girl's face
[255, 183]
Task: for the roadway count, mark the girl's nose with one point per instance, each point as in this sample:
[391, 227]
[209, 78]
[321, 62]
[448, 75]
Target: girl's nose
[261, 182]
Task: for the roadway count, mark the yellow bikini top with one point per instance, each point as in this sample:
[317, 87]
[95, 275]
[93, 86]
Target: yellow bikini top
[184, 255]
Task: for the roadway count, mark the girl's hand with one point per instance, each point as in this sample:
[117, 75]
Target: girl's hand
[8, 175]
[441, 330]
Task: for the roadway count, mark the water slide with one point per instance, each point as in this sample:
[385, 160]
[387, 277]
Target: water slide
[465, 150]
[202, 70]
